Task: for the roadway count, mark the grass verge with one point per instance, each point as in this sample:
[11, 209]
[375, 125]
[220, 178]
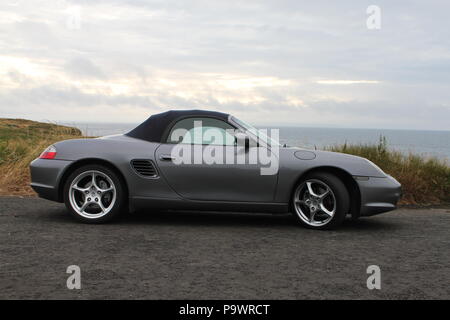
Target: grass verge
[22, 141]
[425, 180]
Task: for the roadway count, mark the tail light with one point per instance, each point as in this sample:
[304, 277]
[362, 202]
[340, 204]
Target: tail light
[49, 153]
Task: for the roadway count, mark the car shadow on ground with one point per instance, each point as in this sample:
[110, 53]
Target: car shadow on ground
[237, 219]
[221, 219]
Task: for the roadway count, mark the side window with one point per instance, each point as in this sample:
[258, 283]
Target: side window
[203, 131]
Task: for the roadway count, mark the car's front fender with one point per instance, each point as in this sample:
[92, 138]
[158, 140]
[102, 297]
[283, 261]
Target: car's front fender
[292, 168]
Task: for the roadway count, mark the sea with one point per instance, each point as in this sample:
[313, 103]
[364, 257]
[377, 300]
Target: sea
[425, 143]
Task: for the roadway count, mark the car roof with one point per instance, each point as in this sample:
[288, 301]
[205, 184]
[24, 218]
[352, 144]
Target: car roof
[154, 128]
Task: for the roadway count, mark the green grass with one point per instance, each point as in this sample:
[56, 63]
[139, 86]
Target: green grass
[425, 180]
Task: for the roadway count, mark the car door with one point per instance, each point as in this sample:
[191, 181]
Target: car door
[204, 179]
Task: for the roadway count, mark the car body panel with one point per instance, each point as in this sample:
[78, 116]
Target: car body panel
[218, 182]
[379, 195]
[292, 168]
[46, 176]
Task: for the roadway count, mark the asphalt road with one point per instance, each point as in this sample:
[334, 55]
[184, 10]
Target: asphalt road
[161, 255]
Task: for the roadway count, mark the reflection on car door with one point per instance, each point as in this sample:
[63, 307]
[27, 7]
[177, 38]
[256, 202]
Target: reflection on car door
[221, 182]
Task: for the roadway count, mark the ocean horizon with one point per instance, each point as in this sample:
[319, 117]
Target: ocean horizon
[421, 142]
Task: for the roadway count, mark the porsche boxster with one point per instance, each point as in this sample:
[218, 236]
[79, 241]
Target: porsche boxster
[204, 160]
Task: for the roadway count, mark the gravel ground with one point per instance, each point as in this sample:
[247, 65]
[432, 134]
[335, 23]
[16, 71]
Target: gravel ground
[165, 255]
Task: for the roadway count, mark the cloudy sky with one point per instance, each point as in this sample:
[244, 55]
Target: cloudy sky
[312, 63]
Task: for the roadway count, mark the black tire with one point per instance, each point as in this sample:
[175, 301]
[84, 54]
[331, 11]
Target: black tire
[119, 205]
[338, 190]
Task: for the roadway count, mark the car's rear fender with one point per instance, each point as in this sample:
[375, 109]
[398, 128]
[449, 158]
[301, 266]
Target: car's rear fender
[116, 153]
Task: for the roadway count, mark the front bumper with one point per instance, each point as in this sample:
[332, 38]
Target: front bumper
[379, 195]
[46, 176]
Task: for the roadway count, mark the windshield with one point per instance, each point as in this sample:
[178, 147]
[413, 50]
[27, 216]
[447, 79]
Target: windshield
[255, 132]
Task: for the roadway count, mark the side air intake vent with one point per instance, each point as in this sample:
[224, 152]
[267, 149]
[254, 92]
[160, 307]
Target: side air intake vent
[144, 168]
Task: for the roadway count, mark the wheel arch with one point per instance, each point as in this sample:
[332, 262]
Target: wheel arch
[345, 177]
[89, 161]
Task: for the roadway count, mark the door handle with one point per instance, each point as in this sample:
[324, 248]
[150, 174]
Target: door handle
[166, 157]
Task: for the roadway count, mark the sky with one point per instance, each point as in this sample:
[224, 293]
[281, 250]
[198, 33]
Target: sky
[280, 62]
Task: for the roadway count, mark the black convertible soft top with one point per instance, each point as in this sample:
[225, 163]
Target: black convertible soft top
[154, 128]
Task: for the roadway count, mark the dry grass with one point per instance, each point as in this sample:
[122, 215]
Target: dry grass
[22, 141]
[425, 181]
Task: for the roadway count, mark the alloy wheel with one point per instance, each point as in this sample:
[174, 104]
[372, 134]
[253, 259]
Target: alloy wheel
[315, 203]
[92, 194]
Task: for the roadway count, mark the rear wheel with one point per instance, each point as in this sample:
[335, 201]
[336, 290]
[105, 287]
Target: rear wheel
[94, 194]
[321, 201]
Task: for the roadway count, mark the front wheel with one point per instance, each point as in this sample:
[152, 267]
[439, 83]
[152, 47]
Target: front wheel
[94, 194]
[321, 201]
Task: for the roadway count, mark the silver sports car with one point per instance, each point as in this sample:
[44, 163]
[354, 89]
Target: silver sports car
[203, 160]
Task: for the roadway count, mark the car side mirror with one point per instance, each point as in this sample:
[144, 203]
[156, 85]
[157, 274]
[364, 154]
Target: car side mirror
[242, 140]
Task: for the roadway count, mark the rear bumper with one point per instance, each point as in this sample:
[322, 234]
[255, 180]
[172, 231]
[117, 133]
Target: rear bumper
[46, 176]
[379, 195]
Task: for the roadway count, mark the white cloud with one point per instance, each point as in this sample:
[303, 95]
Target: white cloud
[291, 62]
